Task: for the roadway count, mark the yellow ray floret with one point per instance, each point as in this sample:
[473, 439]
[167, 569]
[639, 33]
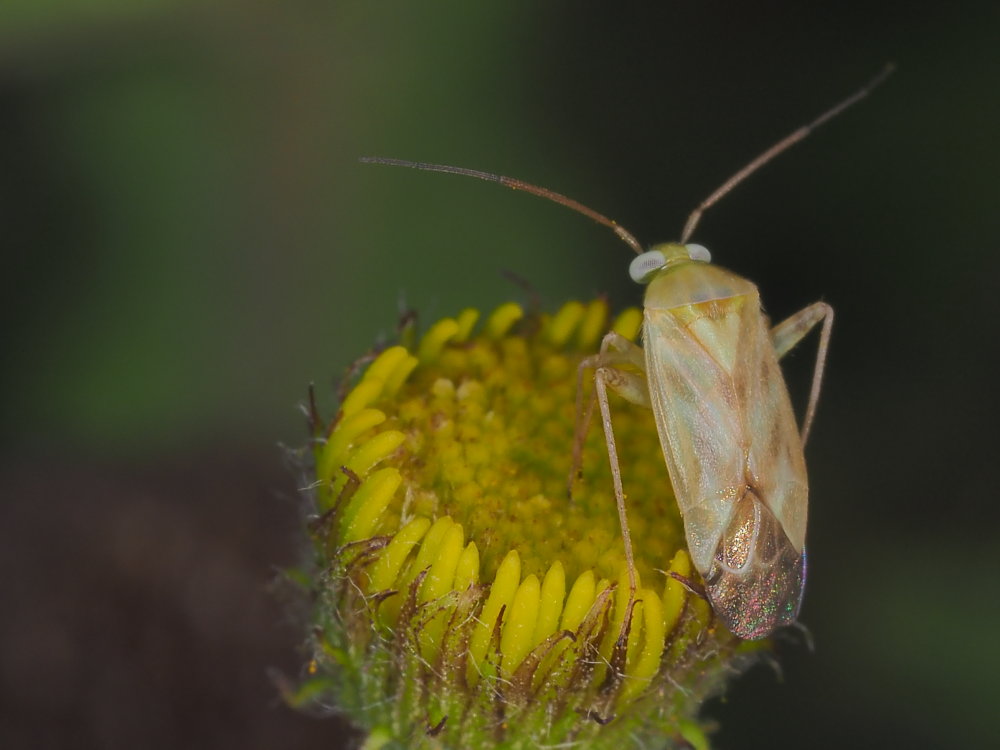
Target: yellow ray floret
[565, 322]
[500, 322]
[382, 575]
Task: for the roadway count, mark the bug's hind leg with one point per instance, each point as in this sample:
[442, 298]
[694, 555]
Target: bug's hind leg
[790, 332]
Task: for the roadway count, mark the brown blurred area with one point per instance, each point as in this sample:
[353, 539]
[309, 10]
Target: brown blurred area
[144, 605]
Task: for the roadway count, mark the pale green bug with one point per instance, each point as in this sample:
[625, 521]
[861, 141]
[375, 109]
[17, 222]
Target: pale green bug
[708, 368]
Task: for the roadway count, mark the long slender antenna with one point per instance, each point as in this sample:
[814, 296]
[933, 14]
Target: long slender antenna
[514, 184]
[778, 147]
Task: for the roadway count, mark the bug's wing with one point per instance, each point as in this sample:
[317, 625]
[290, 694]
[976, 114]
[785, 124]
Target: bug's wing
[735, 458]
[775, 459]
[691, 355]
[758, 572]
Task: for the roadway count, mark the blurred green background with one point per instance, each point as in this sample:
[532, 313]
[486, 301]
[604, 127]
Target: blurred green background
[189, 240]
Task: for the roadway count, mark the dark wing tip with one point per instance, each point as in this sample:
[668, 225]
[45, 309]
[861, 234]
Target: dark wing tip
[765, 592]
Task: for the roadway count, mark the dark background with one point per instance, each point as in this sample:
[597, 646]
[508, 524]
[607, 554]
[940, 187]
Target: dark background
[188, 241]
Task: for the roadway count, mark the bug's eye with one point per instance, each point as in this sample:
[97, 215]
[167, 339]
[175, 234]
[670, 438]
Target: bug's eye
[643, 265]
[699, 252]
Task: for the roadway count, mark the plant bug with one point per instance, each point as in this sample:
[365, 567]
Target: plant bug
[708, 369]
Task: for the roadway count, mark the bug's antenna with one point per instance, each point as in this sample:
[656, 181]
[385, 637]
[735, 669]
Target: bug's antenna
[778, 147]
[514, 184]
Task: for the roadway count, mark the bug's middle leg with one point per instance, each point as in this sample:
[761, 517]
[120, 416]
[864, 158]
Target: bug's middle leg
[791, 331]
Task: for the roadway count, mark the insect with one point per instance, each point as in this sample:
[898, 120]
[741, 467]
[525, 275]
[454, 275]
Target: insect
[708, 369]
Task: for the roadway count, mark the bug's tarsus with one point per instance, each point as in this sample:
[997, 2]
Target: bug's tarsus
[780, 146]
[805, 634]
[515, 184]
[690, 585]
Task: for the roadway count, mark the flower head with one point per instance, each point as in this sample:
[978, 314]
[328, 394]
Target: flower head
[465, 599]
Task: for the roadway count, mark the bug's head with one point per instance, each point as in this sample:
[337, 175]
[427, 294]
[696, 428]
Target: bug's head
[645, 266]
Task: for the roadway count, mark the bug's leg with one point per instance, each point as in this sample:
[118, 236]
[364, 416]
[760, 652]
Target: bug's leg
[625, 352]
[626, 384]
[791, 331]
[631, 351]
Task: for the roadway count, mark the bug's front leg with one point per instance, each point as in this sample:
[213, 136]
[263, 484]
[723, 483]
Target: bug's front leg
[790, 332]
[615, 350]
[632, 386]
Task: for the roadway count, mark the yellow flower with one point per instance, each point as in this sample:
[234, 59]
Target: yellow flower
[463, 598]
